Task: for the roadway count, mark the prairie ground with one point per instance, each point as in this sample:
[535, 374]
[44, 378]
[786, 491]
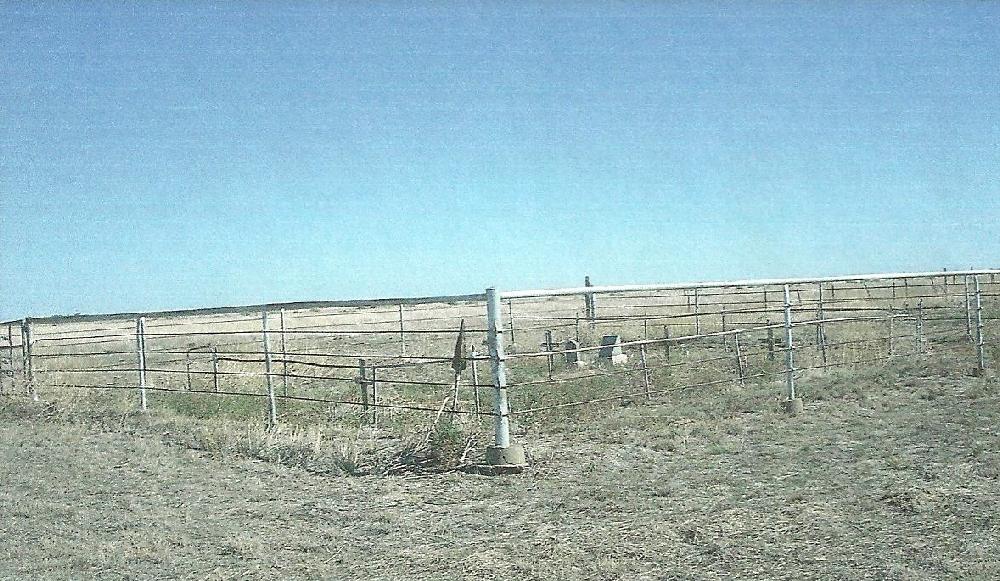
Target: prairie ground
[891, 473]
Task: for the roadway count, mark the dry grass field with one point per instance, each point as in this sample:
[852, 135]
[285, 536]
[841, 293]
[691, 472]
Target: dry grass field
[891, 473]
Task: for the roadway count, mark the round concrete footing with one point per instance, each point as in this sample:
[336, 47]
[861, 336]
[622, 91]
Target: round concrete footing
[509, 460]
[793, 406]
[512, 455]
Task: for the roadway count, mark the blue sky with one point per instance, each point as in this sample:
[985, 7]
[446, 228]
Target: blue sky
[182, 154]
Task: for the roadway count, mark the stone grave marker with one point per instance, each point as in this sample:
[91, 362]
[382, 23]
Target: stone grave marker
[611, 350]
[571, 354]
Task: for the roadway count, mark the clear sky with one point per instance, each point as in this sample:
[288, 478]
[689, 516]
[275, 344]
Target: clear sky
[182, 154]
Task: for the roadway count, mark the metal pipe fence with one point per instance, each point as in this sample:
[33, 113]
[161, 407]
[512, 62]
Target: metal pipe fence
[548, 350]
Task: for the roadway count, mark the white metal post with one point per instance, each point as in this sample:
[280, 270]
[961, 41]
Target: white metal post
[789, 358]
[29, 368]
[820, 328]
[919, 335]
[10, 351]
[374, 405]
[272, 404]
[697, 315]
[510, 314]
[284, 354]
[26, 352]
[739, 359]
[892, 317]
[187, 368]
[494, 337]
[475, 378]
[548, 347]
[770, 341]
[645, 370]
[588, 302]
[980, 347]
[725, 338]
[968, 309]
[140, 353]
[363, 386]
[402, 337]
[215, 369]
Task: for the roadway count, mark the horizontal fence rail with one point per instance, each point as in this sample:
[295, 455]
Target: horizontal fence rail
[506, 354]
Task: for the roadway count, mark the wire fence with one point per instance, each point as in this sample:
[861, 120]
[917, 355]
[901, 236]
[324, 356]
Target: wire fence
[500, 355]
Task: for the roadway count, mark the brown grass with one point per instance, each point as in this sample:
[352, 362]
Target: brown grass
[892, 473]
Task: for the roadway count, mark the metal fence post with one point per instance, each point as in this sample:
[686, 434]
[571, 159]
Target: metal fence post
[820, 327]
[140, 353]
[725, 338]
[374, 404]
[968, 310]
[24, 350]
[29, 374]
[666, 342]
[10, 352]
[588, 303]
[645, 370]
[697, 314]
[793, 405]
[919, 335]
[770, 341]
[739, 359]
[454, 391]
[402, 337]
[215, 369]
[548, 347]
[272, 403]
[503, 452]
[475, 379]
[980, 347]
[510, 315]
[363, 386]
[892, 318]
[284, 354]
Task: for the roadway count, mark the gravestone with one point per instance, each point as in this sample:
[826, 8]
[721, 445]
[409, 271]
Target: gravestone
[571, 354]
[611, 350]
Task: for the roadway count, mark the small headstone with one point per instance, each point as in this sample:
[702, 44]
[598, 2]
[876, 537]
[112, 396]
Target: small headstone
[611, 350]
[571, 354]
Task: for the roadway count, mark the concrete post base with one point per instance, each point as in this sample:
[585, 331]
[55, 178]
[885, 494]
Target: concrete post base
[509, 460]
[512, 455]
[793, 406]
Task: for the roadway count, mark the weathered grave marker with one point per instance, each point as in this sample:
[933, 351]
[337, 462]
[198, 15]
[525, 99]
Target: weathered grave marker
[611, 350]
[571, 355]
